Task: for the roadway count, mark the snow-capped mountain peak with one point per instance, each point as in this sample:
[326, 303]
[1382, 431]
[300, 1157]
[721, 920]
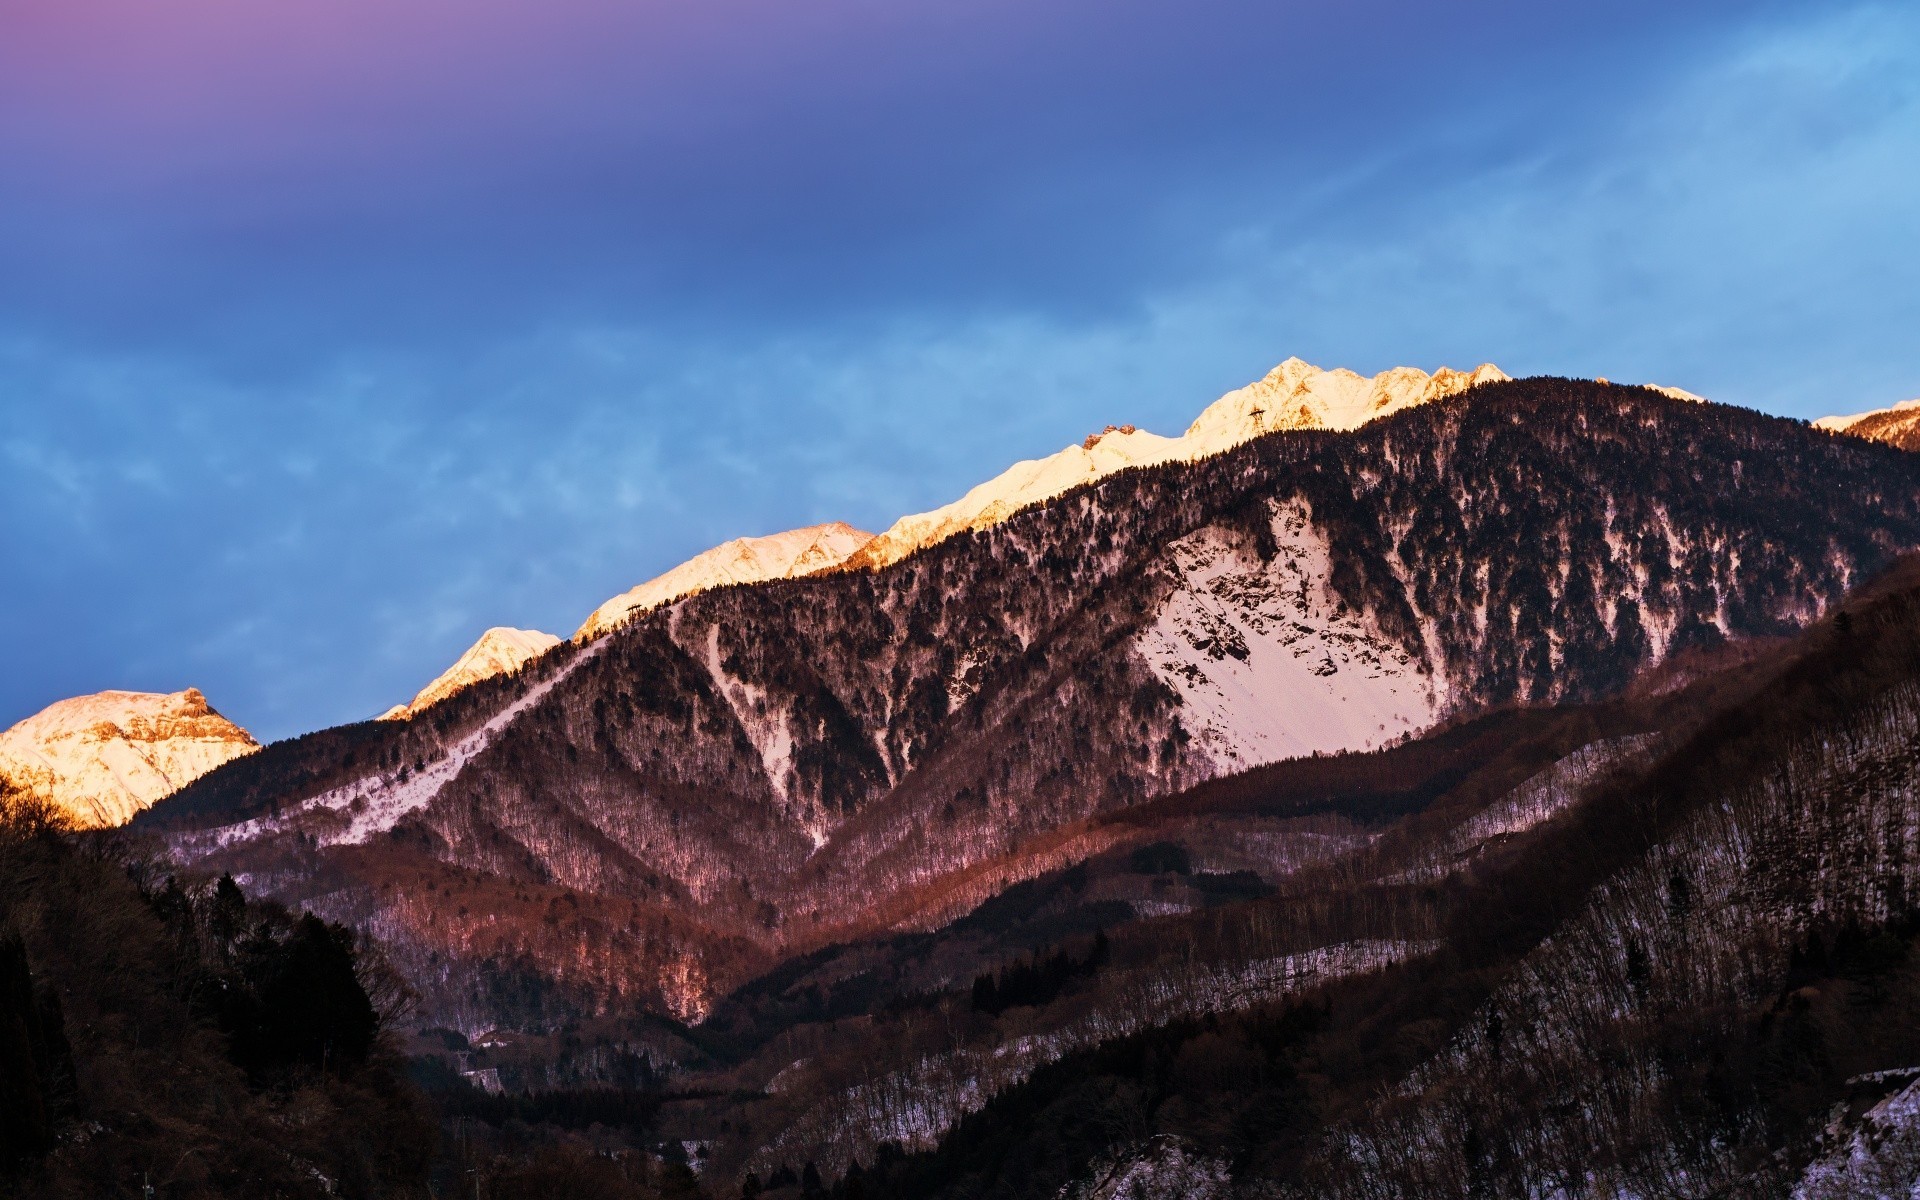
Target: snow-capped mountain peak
[1896, 426]
[787, 555]
[1299, 395]
[1294, 395]
[499, 651]
[102, 758]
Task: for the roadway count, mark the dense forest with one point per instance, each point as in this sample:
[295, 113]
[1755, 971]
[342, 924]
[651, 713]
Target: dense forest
[1692, 977]
[162, 1039]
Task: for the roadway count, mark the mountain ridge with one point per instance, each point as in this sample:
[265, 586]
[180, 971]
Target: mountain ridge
[749, 769]
[787, 555]
[1898, 425]
[1294, 395]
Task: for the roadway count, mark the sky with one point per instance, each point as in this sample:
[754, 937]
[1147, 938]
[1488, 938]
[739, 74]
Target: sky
[333, 332]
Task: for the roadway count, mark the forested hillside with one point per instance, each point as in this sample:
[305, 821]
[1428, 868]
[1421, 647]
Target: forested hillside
[1677, 962]
[756, 771]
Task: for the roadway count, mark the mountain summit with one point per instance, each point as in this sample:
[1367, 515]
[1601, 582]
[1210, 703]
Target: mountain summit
[788, 555]
[1896, 426]
[1294, 395]
[105, 757]
[499, 651]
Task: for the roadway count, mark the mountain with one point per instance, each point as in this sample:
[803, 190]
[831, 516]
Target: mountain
[1663, 945]
[788, 555]
[1896, 426]
[500, 651]
[103, 758]
[645, 821]
[1294, 395]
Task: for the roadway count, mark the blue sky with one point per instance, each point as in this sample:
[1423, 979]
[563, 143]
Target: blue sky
[334, 331]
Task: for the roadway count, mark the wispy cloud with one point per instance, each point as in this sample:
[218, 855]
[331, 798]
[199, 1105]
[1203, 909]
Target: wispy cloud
[310, 524]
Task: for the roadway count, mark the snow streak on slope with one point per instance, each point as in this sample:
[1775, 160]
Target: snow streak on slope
[1553, 790]
[786, 555]
[105, 757]
[765, 724]
[916, 1106]
[356, 811]
[1294, 395]
[499, 651]
[1268, 664]
[1539, 799]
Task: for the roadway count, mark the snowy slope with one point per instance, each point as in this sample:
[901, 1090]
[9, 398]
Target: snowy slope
[1294, 395]
[1268, 664]
[376, 802]
[786, 555]
[500, 651]
[1896, 426]
[102, 758]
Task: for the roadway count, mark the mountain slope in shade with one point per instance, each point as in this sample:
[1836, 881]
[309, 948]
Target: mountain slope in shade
[753, 772]
[500, 651]
[1294, 395]
[105, 757]
[1896, 426]
[788, 555]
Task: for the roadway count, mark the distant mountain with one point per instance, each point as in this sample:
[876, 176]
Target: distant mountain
[788, 555]
[1294, 395]
[748, 773]
[500, 651]
[105, 757]
[1896, 426]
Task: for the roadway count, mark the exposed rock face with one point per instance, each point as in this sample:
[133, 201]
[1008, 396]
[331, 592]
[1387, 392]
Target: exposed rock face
[105, 757]
[1897, 426]
[788, 555]
[500, 651]
[753, 770]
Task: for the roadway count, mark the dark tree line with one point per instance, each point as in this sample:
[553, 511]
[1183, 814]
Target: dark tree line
[1036, 979]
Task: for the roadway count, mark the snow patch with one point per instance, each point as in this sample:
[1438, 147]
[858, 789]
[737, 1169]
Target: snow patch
[765, 724]
[1268, 663]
